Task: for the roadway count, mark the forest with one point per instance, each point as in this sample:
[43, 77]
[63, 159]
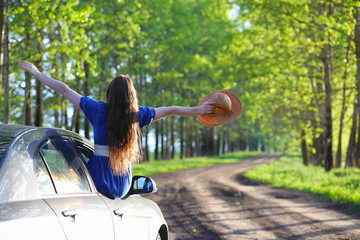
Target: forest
[295, 65]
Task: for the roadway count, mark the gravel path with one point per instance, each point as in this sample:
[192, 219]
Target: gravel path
[217, 202]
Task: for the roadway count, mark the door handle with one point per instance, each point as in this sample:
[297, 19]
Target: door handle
[118, 213]
[69, 213]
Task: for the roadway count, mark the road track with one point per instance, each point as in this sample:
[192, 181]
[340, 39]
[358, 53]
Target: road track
[217, 202]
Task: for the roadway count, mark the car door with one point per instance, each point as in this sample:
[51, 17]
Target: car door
[28, 218]
[129, 214]
[130, 218]
[81, 212]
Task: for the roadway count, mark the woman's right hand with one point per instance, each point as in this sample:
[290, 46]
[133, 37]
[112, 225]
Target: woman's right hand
[28, 66]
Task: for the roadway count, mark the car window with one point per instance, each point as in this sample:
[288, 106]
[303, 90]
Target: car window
[65, 166]
[43, 179]
[4, 144]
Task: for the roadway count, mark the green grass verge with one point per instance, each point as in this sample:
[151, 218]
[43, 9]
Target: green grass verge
[338, 185]
[162, 166]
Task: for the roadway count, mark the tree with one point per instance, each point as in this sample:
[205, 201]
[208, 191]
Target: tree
[357, 106]
[4, 75]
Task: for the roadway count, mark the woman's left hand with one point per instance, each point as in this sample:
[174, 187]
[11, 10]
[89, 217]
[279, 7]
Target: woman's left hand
[207, 107]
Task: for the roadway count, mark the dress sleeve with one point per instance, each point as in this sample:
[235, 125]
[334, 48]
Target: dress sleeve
[90, 108]
[146, 115]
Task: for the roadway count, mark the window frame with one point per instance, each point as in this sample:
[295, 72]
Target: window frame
[47, 169]
[79, 144]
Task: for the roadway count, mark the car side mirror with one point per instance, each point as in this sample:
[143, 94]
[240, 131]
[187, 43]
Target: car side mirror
[142, 184]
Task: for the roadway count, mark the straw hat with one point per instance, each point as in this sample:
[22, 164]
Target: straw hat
[227, 108]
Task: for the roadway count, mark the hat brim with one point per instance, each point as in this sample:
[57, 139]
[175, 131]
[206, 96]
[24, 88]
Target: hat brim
[212, 120]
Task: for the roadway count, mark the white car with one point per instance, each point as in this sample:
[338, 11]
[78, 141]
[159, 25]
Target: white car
[46, 192]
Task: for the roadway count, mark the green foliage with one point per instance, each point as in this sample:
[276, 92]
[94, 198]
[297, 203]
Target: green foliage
[163, 166]
[339, 185]
[268, 53]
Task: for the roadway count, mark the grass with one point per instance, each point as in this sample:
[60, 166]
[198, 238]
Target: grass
[162, 166]
[338, 185]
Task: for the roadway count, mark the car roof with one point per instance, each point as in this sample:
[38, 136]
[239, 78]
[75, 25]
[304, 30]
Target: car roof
[12, 131]
[9, 133]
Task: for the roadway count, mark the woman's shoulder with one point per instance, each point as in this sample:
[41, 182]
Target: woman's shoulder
[87, 100]
[95, 111]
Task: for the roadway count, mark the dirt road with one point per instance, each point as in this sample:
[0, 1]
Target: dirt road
[218, 203]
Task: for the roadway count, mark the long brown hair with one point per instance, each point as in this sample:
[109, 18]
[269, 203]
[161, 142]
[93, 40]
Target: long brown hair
[124, 134]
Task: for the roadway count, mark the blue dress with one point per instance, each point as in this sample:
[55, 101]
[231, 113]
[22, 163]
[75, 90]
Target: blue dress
[105, 181]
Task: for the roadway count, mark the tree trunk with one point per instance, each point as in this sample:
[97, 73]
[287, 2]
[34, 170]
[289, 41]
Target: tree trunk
[232, 146]
[228, 138]
[350, 154]
[61, 119]
[56, 112]
[39, 107]
[304, 148]
[6, 70]
[86, 93]
[168, 139]
[39, 104]
[65, 115]
[263, 146]
[188, 138]
[146, 148]
[60, 75]
[181, 138]
[27, 109]
[223, 140]
[156, 150]
[211, 142]
[76, 121]
[218, 141]
[343, 110]
[207, 141]
[357, 51]
[3, 41]
[172, 137]
[318, 141]
[197, 143]
[162, 149]
[338, 152]
[243, 144]
[328, 108]
[202, 143]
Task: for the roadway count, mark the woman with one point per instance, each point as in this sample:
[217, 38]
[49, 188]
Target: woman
[116, 125]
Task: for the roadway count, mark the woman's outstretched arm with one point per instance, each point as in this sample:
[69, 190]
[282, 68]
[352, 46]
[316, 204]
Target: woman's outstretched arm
[54, 84]
[206, 107]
